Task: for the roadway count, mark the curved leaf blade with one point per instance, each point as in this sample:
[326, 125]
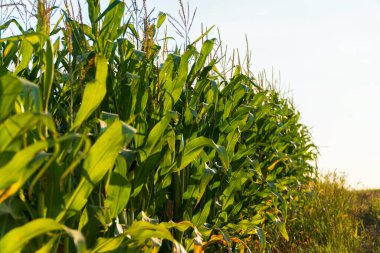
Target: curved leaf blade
[16, 239]
[94, 92]
[100, 159]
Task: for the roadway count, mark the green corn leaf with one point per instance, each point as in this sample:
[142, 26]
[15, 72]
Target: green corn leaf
[203, 35]
[113, 15]
[145, 170]
[15, 126]
[237, 119]
[93, 10]
[93, 93]
[181, 226]
[133, 30]
[161, 19]
[38, 40]
[201, 216]
[9, 22]
[139, 233]
[228, 196]
[194, 148]
[10, 89]
[32, 96]
[205, 51]
[15, 173]
[206, 178]
[119, 189]
[9, 54]
[78, 40]
[86, 30]
[99, 161]
[111, 6]
[142, 230]
[26, 52]
[166, 77]
[174, 88]
[104, 245]
[235, 82]
[17, 239]
[49, 73]
[198, 91]
[155, 135]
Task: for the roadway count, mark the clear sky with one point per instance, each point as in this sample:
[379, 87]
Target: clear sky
[328, 54]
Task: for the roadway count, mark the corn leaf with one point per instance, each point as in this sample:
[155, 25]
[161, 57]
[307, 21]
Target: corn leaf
[107, 244]
[205, 51]
[26, 53]
[16, 239]
[174, 87]
[17, 171]
[161, 19]
[99, 161]
[113, 15]
[155, 135]
[194, 148]
[93, 93]
[10, 89]
[206, 178]
[119, 189]
[15, 126]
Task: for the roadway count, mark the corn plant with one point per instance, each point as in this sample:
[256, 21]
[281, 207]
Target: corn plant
[107, 148]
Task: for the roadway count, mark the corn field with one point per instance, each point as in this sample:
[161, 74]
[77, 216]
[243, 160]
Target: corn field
[110, 142]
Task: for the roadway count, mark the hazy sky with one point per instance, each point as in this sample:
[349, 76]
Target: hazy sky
[328, 53]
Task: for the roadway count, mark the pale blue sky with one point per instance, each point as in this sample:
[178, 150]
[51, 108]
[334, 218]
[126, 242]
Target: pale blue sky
[328, 53]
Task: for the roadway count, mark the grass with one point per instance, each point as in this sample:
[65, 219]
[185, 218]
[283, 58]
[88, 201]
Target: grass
[334, 219]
